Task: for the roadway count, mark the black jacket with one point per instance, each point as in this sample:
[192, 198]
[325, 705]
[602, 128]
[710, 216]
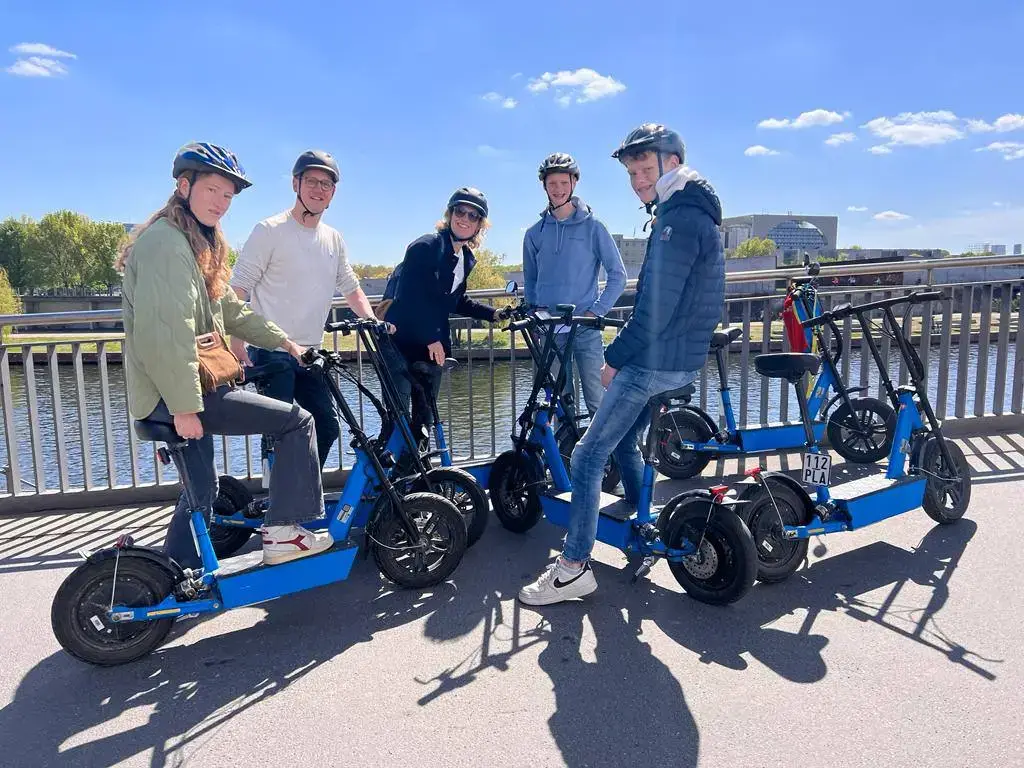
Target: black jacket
[681, 291]
[425, 300]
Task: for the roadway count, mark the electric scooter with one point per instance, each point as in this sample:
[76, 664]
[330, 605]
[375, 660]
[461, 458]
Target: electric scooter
[399, 453]
[782, 515]
[859, 429]
[709, 549]
[122, 601]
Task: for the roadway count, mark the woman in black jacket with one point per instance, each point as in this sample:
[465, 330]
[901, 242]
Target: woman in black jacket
[431, 287]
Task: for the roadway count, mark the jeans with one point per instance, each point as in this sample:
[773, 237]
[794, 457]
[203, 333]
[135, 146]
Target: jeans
[588, 356]
[296, 494]
[624, 413]
[306, 388]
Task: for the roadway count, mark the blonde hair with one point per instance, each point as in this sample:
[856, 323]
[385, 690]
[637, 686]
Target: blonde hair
[476, 241]
[212, 259]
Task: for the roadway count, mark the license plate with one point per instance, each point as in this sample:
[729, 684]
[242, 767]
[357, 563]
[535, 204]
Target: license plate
[816, 468]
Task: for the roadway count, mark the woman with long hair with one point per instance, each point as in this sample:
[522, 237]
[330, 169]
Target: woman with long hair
[432, 287]
[175, 288]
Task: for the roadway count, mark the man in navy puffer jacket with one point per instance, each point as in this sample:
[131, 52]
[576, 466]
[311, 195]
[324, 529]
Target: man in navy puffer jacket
[679, 300]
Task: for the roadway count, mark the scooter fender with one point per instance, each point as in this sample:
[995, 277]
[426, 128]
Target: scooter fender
[694, 409]
[670, 507]
[156, 557]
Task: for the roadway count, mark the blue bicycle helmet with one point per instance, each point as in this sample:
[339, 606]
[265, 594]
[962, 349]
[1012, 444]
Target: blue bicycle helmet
[203, 157]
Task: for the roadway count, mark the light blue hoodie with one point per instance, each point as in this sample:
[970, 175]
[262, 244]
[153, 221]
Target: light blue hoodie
[562, 259]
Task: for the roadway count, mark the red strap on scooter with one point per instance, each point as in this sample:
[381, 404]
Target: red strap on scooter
[790, 321]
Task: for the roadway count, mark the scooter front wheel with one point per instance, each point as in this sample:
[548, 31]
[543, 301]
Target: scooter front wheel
[862, 430]
[672, 429]
[437, 553]
[79, 617]
[947, 492]
[462, 490]
[724, 563]
[513, 489]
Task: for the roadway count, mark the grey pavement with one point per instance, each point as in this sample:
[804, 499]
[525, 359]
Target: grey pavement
[899, 644]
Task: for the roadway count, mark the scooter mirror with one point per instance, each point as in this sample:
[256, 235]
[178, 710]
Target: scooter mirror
[511, 287]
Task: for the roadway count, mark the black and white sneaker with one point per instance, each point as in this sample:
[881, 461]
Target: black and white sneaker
[559, 583]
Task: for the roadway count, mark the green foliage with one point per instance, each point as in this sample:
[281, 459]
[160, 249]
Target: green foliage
[369, 271]
[755, 246]
[10, 304]
[14, 255]
[489, 271]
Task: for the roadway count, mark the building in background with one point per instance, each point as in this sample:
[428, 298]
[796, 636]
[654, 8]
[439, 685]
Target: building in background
[633, 250]
[990, 248]
[799, 231]
[1017, 249]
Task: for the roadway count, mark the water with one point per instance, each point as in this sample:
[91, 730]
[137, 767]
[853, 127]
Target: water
[474, 428]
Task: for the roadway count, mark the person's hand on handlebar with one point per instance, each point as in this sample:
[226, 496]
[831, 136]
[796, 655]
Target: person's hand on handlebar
[504, 313]
[436, 352]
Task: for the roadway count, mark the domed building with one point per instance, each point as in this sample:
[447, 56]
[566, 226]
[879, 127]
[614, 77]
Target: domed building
[797, 235]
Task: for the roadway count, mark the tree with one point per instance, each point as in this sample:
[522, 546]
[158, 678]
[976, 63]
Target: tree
[68, 250]
[489, 271]
[369, 271]
[9, 302]
[755, 246]
[14, 254]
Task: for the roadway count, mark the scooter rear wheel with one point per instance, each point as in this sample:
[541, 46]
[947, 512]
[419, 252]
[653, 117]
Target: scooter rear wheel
[724, 565]
[765, 515]
[863, 433]
[947, 492]
[672, 428]
[232, 497]
[513, 489]
[462, 490]
[435, 556]
[79, 618]
[611, 478]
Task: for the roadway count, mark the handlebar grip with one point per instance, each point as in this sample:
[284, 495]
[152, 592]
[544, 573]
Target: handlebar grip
[254, 373]
[613, 322]
[929, 296]
[814, 322]
[520, 325]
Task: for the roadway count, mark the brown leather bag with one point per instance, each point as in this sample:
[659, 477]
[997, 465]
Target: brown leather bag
[217, 364]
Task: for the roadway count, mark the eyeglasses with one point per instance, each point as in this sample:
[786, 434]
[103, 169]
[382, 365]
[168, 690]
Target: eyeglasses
[467, 213]
[325, 184]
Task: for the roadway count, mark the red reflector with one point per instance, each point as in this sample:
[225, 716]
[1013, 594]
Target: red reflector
[753, 472]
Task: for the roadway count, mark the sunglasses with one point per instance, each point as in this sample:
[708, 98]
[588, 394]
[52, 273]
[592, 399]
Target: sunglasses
[467, 213]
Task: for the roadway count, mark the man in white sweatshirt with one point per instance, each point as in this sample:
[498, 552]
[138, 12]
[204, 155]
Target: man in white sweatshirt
[288, 271]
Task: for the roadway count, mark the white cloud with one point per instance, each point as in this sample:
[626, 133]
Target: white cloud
[579, 85]
[857, 208]
[839, 138]
[880, 149]
[516, 76]
[918, 129]
[486, 150]
[37, 66]
[1008, 122]
[758, 151]
[890, 216]
[1010, 150]
[40, 49]
[805, 119]
[509, 103]
[999, 204]
[491, 96]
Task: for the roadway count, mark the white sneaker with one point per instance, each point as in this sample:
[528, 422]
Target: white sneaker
[282, 543]
[559, 583]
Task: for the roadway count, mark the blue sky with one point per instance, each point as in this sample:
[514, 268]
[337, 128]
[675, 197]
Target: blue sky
[416, 99]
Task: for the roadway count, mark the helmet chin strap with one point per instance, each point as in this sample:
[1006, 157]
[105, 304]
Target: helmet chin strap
[306, 212]
[552, 207]
[210, 233]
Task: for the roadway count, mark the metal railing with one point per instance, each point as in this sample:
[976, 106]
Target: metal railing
[66, 431]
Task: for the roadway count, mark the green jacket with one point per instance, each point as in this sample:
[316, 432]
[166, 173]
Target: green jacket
[165, 307]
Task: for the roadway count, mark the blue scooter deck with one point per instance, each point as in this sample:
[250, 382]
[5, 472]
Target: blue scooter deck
[614, 525]
[870, 499]
[245, 580]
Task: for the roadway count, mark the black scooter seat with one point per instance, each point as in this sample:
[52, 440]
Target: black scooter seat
[786, 365]
[725, 338]
[157, 432]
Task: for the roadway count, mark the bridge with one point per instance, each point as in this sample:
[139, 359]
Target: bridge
[896, 643]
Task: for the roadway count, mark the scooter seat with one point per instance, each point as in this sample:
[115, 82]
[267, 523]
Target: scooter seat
[157, 432]
[724, 338]
[786, 365]
[666, 398]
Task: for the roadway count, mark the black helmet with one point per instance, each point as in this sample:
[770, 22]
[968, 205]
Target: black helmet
[317, 158]
[559, 162]
[202, 157]
[651, 137]
[470, 196]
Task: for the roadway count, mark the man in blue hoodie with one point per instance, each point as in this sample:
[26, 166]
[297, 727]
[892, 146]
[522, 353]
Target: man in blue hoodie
[679, 300]
[562, 257]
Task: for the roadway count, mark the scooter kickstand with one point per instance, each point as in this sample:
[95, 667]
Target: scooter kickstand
[643, 570]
